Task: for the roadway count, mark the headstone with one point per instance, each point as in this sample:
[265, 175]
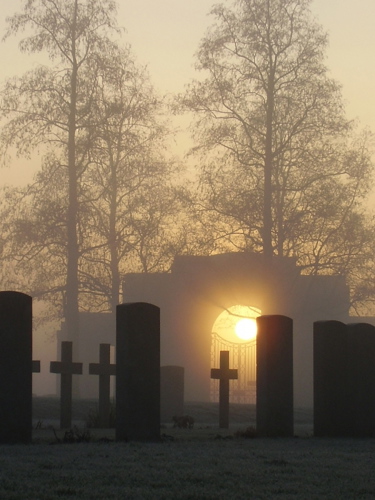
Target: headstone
[105, 370]
[331, 404]
[137, 372]
[274, 376]
[171, 392]
[15, 367]
[67, 369]
[361, 379]
[224, 374]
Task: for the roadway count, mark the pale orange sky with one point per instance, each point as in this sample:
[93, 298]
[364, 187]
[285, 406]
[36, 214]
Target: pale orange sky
[165, 34]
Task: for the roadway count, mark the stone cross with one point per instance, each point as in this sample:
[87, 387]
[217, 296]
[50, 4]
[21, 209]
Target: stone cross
[104, 369]
[66, 368]
[35, 366]
[224, 374]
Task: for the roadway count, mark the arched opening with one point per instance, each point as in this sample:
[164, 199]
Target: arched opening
[234, 330]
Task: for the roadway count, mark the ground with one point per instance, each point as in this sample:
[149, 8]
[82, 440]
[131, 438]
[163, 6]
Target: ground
[203, 463]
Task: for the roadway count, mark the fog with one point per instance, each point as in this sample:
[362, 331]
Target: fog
[164, 37]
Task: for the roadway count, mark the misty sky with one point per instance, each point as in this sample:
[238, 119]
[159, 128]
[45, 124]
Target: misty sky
[165, 34]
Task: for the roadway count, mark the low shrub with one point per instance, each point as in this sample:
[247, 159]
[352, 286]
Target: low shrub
[249, 433]
[183, 421]
[93, 420]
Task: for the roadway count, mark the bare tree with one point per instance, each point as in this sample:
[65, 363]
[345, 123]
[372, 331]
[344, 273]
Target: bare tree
[51, 106]
[34, 237]
[128, 189]
[273, 139]
[270, 122]
[127, 204]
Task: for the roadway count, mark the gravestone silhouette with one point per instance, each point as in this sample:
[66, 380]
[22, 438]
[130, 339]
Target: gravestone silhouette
[361, 379]
[105, 370]
[171, 392]
[331, 405]
[66, 368]
[224, 374]
[344, 379]
[15, 367]
[137, 372]
[274, 400]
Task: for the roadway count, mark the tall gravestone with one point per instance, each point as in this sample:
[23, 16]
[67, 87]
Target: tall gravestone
[171, 392]
[361, 379]
[137, 372]
[331, 404]
[15, 367]
[274, 400]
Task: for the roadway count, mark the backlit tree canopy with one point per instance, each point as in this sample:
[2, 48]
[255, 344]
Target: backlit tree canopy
[50, 106]
[103, 198]
[282, 171]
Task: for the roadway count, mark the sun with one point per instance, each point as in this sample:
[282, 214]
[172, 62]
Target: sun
[246, 329]
[237, 324]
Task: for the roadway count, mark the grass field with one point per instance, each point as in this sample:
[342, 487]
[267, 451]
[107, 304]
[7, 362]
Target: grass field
[203, 463]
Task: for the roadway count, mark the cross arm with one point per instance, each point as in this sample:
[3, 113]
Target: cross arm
[66, 368]
[101, 369]
[35, 367]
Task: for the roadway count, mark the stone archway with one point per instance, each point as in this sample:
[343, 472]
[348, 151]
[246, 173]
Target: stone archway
[198, 289]
[234, 330]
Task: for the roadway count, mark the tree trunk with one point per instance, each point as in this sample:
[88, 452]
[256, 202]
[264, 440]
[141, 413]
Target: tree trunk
[267, 199]
[115, 273]
[72, 312]
[268, 157]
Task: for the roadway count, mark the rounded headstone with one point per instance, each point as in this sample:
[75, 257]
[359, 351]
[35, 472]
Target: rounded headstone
[274, 400]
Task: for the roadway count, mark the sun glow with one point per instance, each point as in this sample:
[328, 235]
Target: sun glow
[246, 329]
[237, 324]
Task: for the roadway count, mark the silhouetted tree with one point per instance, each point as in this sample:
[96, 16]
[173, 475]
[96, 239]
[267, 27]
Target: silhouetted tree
[128, 189]
[126, 204]
[51, 106]
[33, 223]
[282, 170]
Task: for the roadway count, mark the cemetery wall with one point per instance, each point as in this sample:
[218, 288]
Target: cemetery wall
[197, 290]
